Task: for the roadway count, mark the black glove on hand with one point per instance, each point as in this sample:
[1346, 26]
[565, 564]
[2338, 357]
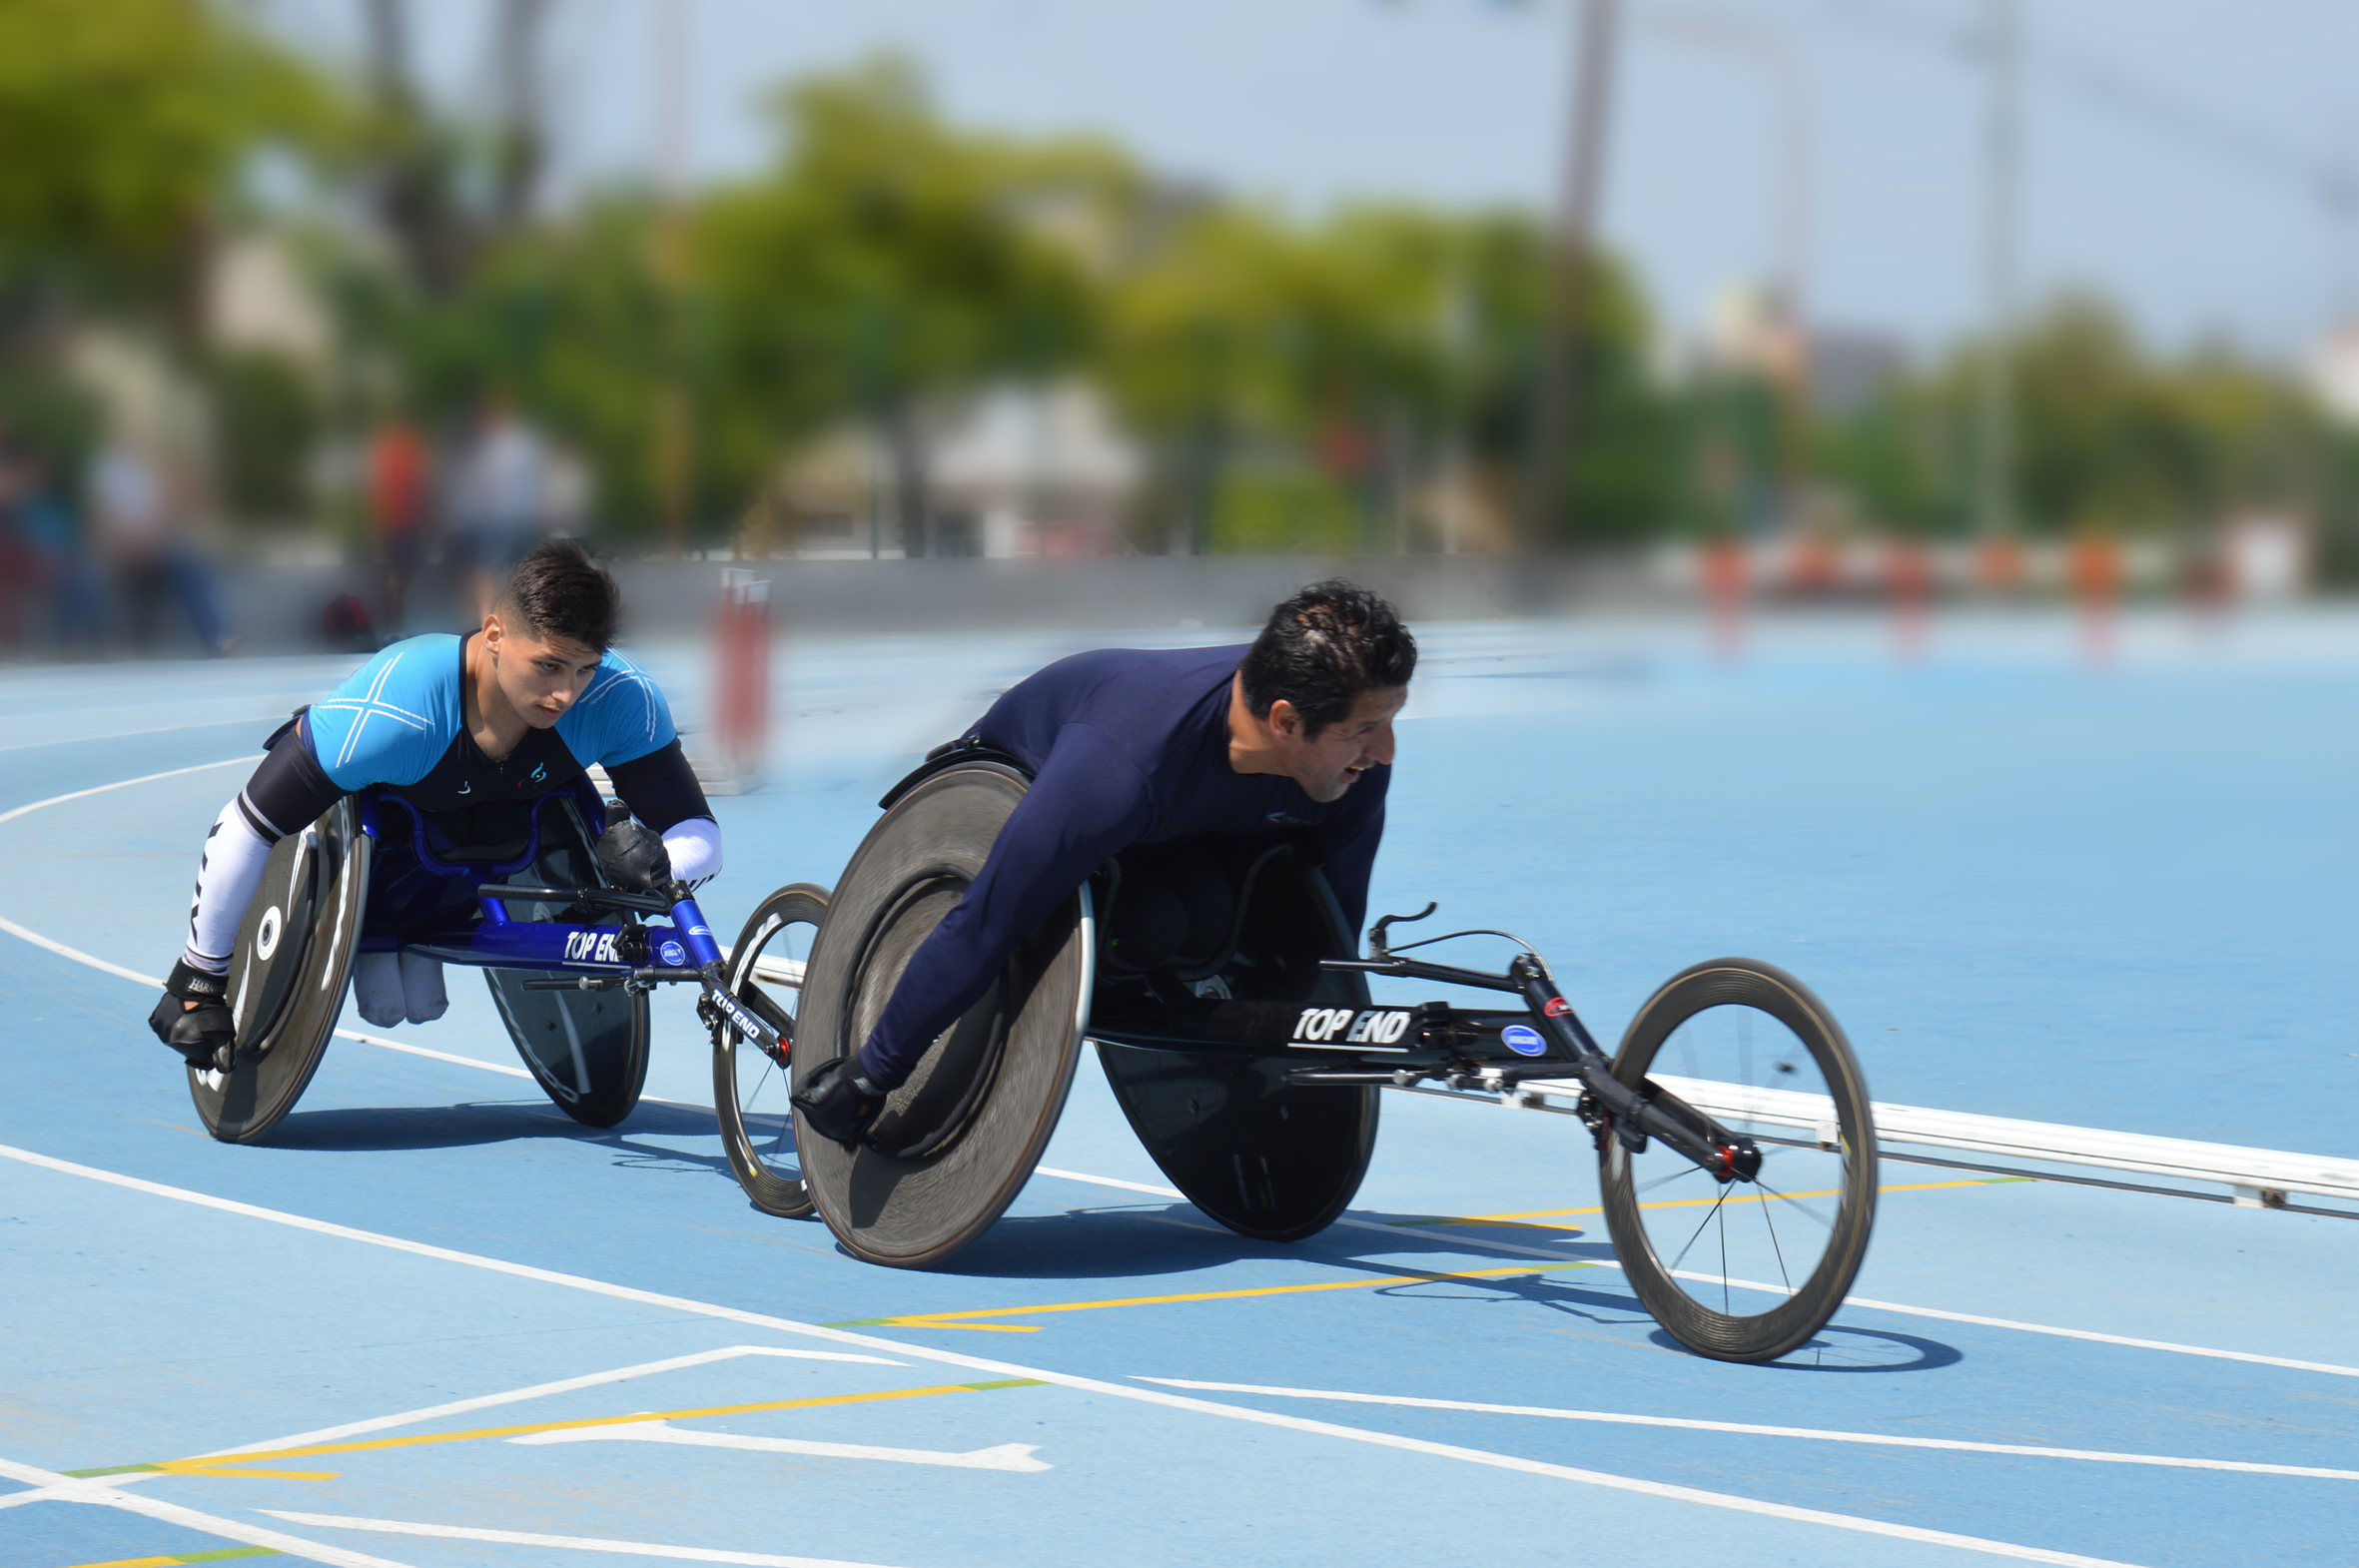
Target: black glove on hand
[206, 1033]
[838, 1101]
[634, 857]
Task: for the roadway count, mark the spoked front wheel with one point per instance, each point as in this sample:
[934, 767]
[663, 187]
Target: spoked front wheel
[765, 973]
[1745, 1271]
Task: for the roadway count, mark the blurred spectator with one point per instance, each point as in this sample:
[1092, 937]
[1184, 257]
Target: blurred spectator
[17, 572]
[567, 499]
[58, 568]
[141, 526]
[499, 502]
[396, 482]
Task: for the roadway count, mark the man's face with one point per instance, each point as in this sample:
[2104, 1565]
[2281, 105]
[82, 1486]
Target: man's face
[1330, 762]
[540, 679]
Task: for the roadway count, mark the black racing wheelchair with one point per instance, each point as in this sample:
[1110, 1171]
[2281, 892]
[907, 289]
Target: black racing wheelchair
[1234, 1023]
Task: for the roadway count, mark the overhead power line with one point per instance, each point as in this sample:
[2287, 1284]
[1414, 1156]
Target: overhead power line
[2105, 86]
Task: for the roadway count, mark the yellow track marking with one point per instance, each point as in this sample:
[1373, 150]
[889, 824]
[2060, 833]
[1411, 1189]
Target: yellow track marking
[949, 1319]
[1518, 1221]
[212, 1463]
[185, 1557]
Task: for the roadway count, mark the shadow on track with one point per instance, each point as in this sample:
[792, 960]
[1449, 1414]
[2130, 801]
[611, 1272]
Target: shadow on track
[1835, 1348]
[474, 1123]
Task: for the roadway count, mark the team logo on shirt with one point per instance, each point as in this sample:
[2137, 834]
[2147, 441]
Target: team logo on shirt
[540, 774]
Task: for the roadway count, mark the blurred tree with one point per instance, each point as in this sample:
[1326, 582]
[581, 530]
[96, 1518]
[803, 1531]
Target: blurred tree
[124, 126]
[1371, 340]
[448, 188]
[266, 423]
[2109, 436]
[886, 259]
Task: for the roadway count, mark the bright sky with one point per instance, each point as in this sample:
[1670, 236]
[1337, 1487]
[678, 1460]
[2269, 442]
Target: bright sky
[1462, 102]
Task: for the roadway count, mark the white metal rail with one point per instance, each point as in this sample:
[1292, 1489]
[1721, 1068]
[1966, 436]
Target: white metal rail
[2253, 1177]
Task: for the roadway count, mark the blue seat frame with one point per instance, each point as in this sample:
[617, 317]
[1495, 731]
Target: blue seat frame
[456, 911]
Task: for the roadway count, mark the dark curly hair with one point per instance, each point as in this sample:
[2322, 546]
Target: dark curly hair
[558, 591]
[1324, 646]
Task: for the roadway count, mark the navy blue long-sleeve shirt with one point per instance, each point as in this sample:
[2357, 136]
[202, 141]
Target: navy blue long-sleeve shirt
[1126, 746]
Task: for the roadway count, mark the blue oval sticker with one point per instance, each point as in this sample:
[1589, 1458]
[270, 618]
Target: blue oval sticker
[677, 957]
[1523, 1041]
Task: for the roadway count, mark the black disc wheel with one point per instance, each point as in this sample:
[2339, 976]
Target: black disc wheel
[288, 974]
[1745, 1271]
[1270, 1160]
[588, 1049]
[956, 1143]
[765, 973]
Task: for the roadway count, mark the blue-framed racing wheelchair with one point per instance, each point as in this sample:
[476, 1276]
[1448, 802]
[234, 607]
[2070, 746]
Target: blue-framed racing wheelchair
[513, 889]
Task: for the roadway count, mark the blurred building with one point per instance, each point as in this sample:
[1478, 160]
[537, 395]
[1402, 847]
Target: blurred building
[1016, 473]
[258, 299]
[2334, 373]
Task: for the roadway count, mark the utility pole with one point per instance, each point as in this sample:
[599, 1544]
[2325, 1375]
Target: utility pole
[1994, 477]
[671, 272]
[1572, 279]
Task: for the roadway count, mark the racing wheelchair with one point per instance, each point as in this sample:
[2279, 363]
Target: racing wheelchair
[1234, 1023]
[568, 958]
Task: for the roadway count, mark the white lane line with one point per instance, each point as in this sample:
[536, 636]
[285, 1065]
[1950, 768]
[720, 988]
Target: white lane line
[75, 1484]
[126, 735]
[1817, 1434]
[1007, 1457]
[1484, 1243]
[328, 1434]
[64, 1489]
[439, 1055]
[76, 954]
[1099, 1180]
[1513, 1249]
[576, 1543]
[1232, 1412]
[145, 778]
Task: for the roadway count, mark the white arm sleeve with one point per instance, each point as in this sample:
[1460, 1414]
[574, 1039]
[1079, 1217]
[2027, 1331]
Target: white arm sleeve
[695, 849]
[228, 872]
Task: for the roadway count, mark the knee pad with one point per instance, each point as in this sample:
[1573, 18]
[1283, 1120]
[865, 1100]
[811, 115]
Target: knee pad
[376, 988]
[422, 998]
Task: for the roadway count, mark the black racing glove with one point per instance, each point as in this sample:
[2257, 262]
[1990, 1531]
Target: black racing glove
[837, 1101]
[634, 857]
[205, 1035]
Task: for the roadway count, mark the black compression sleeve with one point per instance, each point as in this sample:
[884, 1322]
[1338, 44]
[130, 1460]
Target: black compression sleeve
[660, 788]
[289, 790]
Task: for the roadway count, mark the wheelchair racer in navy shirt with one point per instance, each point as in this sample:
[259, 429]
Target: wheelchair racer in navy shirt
[499, 716]
[1145, 746]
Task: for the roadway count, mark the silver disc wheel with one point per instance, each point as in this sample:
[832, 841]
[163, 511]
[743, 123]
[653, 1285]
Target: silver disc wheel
[1745, 1271]
[958, 1139]
[751, 1084]
[288, 975]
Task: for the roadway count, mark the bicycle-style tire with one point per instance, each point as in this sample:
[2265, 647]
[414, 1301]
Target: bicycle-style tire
[1743, 1027]
[749, 1087]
